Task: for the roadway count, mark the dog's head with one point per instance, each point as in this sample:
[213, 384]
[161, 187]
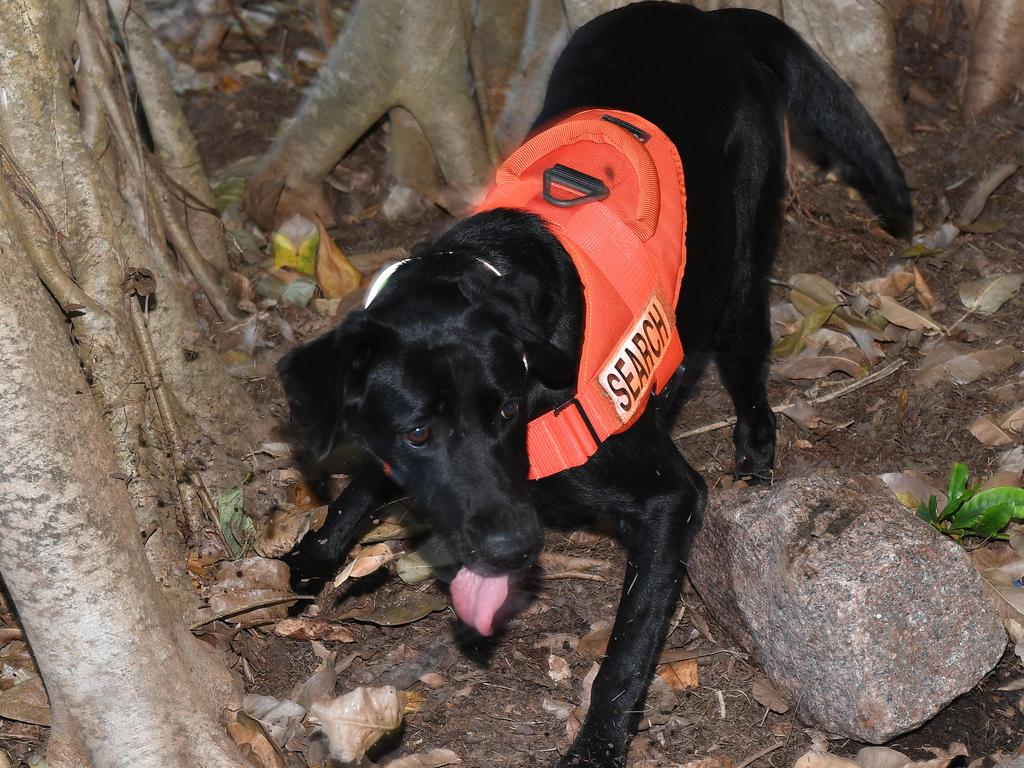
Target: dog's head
[437, 379]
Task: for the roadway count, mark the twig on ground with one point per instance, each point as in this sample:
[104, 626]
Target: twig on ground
[869, 379]
[672, 655]
[761, 753]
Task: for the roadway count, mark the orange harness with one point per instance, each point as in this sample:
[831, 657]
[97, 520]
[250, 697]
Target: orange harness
[610, 187]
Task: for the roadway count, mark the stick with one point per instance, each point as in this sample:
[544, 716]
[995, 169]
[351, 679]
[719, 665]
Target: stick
[869, 379]
[761, 753]
[979, 197]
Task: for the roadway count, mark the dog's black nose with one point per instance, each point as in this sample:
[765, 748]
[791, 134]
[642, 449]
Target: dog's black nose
[506, 549]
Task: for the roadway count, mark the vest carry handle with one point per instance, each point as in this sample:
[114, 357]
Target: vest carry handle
[564, 176]
[645, 222]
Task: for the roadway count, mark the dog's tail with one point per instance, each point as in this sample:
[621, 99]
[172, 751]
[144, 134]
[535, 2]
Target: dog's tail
[827, 109]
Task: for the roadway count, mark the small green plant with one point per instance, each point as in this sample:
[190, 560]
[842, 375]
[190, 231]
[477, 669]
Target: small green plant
[971, 511]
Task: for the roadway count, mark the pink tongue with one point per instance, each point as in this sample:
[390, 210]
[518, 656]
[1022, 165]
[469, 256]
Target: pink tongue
[478, 598]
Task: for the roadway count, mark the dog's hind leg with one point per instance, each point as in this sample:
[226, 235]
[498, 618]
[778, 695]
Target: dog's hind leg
[658, 500]
[743, 365]
[318, 555]
[743, 339]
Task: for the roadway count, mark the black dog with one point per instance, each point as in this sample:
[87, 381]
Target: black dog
[430, 378]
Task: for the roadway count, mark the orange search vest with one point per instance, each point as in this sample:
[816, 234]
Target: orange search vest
[609, 185]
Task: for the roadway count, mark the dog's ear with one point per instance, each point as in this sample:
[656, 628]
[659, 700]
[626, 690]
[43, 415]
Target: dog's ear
[554, 367]
[520, 307]
[315, 376]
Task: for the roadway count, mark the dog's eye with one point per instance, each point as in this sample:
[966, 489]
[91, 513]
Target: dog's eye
[509, 409]
[419, 436]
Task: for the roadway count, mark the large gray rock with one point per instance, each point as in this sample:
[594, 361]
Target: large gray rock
[864, 615]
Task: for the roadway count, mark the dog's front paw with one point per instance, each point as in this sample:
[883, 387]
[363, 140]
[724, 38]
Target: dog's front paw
[593, 753]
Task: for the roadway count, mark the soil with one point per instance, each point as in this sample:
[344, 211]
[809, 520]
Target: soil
[489, 704]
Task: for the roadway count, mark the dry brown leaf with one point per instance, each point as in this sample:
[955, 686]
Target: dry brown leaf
[390, 531]
[680, 675]
[366, 561]
[26, 702]
[4, 762]
[579, 713]
[966, 368]
[899, 315]
[299, 494]
[435, 758]
[405, 608]
[321, 684]
[767, 696]
[817, 367]
[912, 488]
[252, 589]
[923, 290]
[660, 703]
[555, 565]
[987, 432]
[560, 709]
[558, 668]
[987, 295]
[1003, 581]
[594, 644]
[253, 741]
[334, 272]
[894, 284]
[823, 760]
[313, 629]
[808, 292]
[709, 762]
[280, 718]
[587, 538]
[815, 287]
[1008, 472]
[434, 680]
[356, 721]
[284, 528]
[881, 757]
[7, 634]
[802, 413]
[1013, 420]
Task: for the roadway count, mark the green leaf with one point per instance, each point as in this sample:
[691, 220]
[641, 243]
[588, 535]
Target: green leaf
[992, 520]
[791, 345]
[979, 502]
[927, 511]
[957, 480]
[235, 526]
[918, 250]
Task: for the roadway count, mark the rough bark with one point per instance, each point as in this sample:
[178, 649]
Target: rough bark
[72, 199]
[176, 148]
[407, 53]
[110, 428]
[128, 684]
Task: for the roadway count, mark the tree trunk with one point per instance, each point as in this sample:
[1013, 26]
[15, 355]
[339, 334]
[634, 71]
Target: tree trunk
[118, 423]
[128, 685]
[994, 66]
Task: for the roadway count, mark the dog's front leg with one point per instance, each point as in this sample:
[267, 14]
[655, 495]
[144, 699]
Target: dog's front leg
[656, 534]
[317, 556]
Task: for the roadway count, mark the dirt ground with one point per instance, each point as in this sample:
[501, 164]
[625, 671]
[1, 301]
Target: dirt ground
[489, 703]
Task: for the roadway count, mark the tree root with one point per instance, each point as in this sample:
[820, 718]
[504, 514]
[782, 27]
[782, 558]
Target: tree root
[409, 53]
